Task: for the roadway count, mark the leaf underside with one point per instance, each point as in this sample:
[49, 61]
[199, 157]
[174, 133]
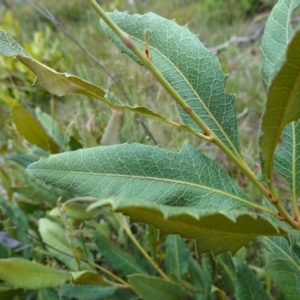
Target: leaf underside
[187, 178]
[192, 70]
[215, 231]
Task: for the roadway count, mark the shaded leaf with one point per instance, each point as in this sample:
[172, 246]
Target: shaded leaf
[283, 265]
[117, 258]
[29, 127]
[87, 277]
[277, 33]
[177, 256]
[187, 178]
[87, 291]
[248, 287]
[282, 105]
[193, 71]
[287, 159]
[29, 275]
[215, 231]
[149, 288]
[53, 234]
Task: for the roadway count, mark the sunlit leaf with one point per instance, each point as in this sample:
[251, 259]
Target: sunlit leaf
[192, 70]
[29, 275]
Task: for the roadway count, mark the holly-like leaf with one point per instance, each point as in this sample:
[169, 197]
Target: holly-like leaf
[149, 288]
[277, 33]
[215, 231]
[118, 259]
[192, 70]
[177, 256]
[61, 84]
[248, 287]
[29, 275]
[287, 161]
[283, 265]
[187, 178]
[282, 105]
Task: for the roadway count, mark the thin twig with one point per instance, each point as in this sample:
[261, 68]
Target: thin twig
[50, 17]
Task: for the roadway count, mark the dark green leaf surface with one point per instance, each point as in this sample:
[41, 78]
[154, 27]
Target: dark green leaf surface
[215, 231]
[86, 291]
[177, 256]
[282, 105]
[277, 33]
[118, 259]
[29, 275]
[149, 288]
[187, 178]
[283, 265]
[192, 70]
[248, 287]
[287, 159]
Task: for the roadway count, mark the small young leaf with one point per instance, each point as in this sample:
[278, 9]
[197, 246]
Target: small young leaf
[118, 259]
[282, 105]
[149, 288]
[193, 71]
[187, 178]
[86, 291]
[215, 231]
[248, 287]
[277, 33]
[283, 265]
[29, 275]
[177, 256]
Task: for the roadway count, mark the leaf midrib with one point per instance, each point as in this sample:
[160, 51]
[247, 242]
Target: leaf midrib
[196, 94]
[179, 182]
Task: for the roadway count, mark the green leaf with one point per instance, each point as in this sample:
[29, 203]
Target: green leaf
[118, 259]
[149, 288]
[287, 159]
[87, 277]
[10, 293]
[29, 275]
[55, 236]
[87, 291]
[215, 231]
[283, 265]
[61, 84]
[282, 105]
[277, 33]
[187, 178]
[248, 287]
[51, 126]
[29, 127]
[177, 256]
[192, 70]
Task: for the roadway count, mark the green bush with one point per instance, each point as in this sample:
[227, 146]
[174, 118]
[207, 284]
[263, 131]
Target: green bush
[89, 250]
